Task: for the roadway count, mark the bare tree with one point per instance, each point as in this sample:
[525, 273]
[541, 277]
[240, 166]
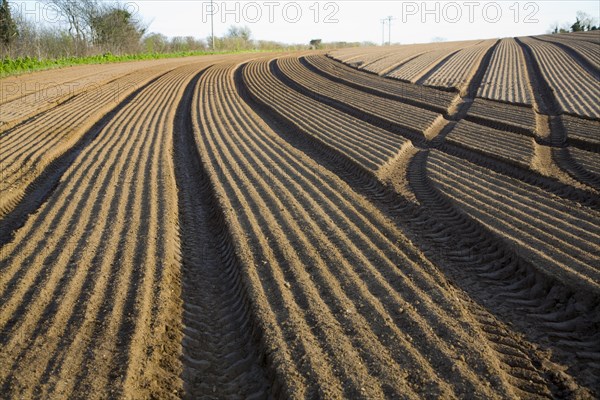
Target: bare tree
[585, 20]
[79, 15]
[236, 32]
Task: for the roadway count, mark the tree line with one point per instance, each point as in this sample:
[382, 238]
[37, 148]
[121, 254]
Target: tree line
[96, 27]
[583, 23]
[88, 27]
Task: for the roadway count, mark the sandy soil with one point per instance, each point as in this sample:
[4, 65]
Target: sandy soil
[288, 226]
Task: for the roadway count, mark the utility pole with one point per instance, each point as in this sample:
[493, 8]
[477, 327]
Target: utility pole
[212, 24]
[383, 32]
[389, 19]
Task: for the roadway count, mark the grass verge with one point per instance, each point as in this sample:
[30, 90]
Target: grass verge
[15, 66]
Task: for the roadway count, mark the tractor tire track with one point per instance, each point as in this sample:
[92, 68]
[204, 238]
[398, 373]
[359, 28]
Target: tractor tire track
[219, 356]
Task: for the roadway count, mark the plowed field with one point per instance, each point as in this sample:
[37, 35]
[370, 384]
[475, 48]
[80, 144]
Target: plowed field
[408, 222]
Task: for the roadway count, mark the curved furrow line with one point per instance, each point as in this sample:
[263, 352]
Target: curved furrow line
[547, 103]
[565, 185]
[302, 136]
[265, 146]
[569, 252]
[375, 151]
[26, 142]
[20, 296]
[333, 212]
[458, 71]
[589, 36]
[119, 302]
[273, 184]
[506, 146]
[400, 213]
[379, 141]
[462, 106]
[395, 118]
[357, 139]
[416, 68]
[576, 170]
[505, 78]
[219, 355]
[362, 55]
[580, 52]
[573, 88]
[81, 175]
[61, 215]
[15, 87]
[288, 309]
[31, 107]
[317, 232]
[298, 116]
[562, 189]
[94, 313]
[519, 151]
[499, 277]
[46, 83]
[589, 161]
[33, 170]
[583, 195]
[44, 184]
[47, 95]
[285, 107]
[51, 123]
[582, 133]
[290, 227]
[426, 73]
[503, 116]
[15, 141]
[100, 288]
[418, 96]
[487, 114]
[155, 299]
[376, 106]
[555, 187]
[387, 63]
[575, 223]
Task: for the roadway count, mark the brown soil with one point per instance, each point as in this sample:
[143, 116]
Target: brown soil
[287, 226]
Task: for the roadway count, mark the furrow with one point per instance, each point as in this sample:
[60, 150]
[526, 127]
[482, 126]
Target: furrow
[276, 184]
[586, 55]
[321, 120]
[504, 79]
[458, 70]
[80, 308]
[570, 252]
[418, 96]
[28, 170]
[551, 98]
[572, 87]
[501, 276]
[219, 353]
[364, 106]
[524, 384]
[418, 67]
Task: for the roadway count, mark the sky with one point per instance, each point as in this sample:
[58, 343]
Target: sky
[351, 21]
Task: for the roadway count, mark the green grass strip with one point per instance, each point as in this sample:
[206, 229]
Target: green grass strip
[15, 66]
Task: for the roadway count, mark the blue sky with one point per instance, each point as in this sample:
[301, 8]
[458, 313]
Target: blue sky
[300, 21]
